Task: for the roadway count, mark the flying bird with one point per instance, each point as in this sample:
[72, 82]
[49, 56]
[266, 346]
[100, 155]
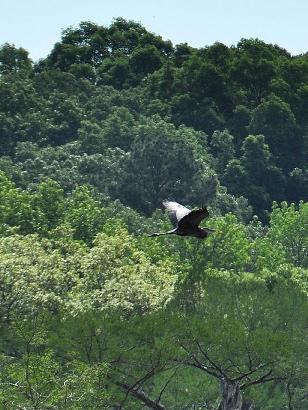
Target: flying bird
[186, 222]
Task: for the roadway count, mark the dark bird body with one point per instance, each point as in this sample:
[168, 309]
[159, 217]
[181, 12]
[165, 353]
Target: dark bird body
[186, 222]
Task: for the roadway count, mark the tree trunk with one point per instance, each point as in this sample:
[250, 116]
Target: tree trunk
[247, 406]
[231, 396]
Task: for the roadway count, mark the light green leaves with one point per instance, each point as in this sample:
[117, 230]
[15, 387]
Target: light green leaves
[115, 275]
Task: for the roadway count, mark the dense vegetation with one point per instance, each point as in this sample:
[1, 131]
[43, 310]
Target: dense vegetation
[93, 313]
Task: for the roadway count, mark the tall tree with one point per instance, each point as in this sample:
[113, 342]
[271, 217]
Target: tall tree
[164, 162]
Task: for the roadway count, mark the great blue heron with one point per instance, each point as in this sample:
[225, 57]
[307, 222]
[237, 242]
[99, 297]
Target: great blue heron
[186, 222]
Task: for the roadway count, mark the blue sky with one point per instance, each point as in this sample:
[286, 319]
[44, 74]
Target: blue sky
[36, 24]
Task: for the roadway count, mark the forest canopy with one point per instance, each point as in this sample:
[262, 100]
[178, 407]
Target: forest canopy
[93, 313]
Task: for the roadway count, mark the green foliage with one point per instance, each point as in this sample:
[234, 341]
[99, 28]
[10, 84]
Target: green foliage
[222, 148]
[33, 275]
[229, 249]
[159, 313]
[163, 162]
[95, 314]
[118, 129]
[73, 95]
[289, 229]
[14, 59]
[41, 379]
[15, 208]
[275, 120]
[48, 201]
[117, 276]
[255, 175]
[84, 214]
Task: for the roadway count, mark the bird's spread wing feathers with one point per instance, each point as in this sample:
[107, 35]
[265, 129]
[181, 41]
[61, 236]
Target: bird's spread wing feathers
[176, 211]
[195, 217]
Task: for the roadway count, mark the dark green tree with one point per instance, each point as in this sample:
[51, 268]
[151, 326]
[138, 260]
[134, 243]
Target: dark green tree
[163, 162]
[14, 60]
[222, 149]
[275, 120]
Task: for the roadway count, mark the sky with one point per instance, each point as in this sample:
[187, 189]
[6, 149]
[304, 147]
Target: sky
[36, 25]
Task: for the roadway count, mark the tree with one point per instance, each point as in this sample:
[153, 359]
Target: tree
[161, 164]
[84, 214]
[182, 53]
[35, 263]
[14, 60]
[295, 72]
[297, 185]
[16, 208]
[114, 71]
[288, 228]
[239, 124]
[91, 137]
[224, 336]
[117, 277]
[254, 68]
[118, 129]
[202, 115]
[275, 120]
[66, 114]
[255, 176]
[235, 178]
[48, 202]
[222, 148]
[83, 70]
[17, 95]
[34, 165]
[220, 55]
[145, 60]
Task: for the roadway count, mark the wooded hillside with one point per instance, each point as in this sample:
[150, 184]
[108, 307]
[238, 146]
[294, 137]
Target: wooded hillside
[93, 313]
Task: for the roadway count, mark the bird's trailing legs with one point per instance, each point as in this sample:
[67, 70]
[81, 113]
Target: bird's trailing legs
[173, 231]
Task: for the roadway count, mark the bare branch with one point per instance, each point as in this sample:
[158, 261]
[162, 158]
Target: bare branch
[247, 374]
[137, 385]
[166, 384]
[197, 364]
[215, 366]
[200, 366]
[263, 379]
[141, 395]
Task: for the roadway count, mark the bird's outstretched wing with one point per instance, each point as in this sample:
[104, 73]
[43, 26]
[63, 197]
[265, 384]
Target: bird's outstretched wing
[176, 211]
[194, 217]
